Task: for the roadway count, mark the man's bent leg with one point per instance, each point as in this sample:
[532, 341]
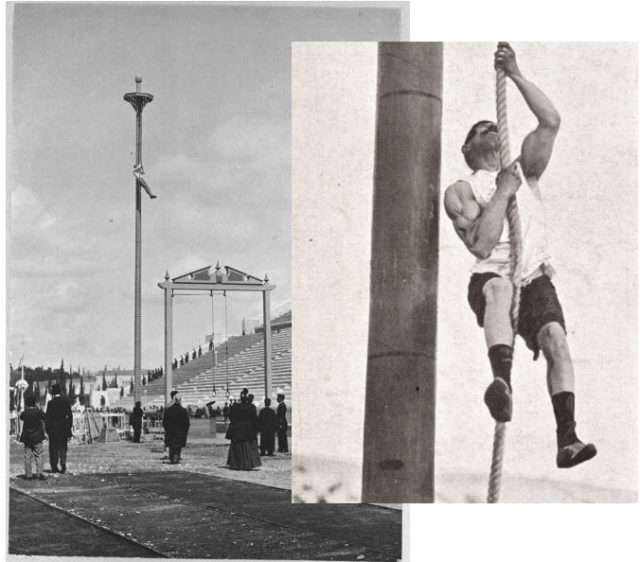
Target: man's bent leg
[560, 383]
[498, 332]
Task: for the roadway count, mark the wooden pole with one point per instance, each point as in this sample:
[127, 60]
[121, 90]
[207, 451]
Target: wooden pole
[168, 340]
[399, 428]
[138, 100]
[266, 315]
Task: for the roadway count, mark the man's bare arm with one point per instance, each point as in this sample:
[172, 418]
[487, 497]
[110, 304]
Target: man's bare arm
[480, 229]
[538, 144]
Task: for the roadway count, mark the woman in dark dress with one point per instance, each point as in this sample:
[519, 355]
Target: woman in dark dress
[243, 450]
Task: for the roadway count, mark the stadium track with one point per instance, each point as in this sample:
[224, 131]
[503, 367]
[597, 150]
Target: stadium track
[56, 516]
[250, 520]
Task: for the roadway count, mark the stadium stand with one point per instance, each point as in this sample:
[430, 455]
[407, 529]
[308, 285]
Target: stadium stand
[239, 362]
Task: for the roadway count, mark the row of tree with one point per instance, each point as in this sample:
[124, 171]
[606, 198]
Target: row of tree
[46, 373]
[39, 389]
[72, 383]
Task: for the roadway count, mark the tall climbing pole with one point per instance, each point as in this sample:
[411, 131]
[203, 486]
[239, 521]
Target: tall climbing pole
[399, 428]
[168, 340]
[138, 100]
[515, 238]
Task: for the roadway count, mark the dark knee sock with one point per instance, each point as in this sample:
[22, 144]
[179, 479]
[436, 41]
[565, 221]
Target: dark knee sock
[564, 411]
[501, 357]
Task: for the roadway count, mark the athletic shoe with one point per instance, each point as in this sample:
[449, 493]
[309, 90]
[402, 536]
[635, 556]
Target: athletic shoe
[574, 454]
[497, 397]
[41, 477]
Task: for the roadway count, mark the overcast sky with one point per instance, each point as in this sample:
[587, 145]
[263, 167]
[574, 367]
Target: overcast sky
[216, 144]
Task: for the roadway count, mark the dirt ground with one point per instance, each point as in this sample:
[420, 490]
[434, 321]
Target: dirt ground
[203, 454]
[123, 499]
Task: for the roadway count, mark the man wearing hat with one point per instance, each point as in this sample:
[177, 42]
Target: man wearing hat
[58, 425]
[283, 424]
[32, 436]
[176, 427]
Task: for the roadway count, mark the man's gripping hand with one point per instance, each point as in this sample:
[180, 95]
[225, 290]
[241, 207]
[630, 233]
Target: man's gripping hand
[509, 179]
[505, 59]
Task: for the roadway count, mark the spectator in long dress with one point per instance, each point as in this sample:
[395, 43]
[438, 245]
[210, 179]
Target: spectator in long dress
[243, 450]
[254, 415]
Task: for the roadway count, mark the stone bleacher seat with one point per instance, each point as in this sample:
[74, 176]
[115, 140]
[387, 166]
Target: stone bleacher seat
[239, 364]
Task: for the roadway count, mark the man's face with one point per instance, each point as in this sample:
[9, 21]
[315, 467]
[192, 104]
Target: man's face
[481, 140]
[485, 138]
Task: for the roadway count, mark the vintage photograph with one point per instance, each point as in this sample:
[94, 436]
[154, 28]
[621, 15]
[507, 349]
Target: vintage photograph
[150, 320]
[473, 207]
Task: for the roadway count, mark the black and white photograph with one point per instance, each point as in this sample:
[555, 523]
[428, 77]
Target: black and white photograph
[447, 196]
[149, 281]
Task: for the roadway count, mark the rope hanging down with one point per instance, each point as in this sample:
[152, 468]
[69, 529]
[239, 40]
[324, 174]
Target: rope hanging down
[515, 238]
[213, 348]
[226, 336]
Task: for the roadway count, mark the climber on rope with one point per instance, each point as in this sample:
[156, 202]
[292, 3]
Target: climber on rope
[477, 205]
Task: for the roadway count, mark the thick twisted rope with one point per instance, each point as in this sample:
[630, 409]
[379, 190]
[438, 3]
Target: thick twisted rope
[515, 238]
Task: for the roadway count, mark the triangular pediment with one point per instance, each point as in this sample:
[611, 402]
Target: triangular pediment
[218, 274]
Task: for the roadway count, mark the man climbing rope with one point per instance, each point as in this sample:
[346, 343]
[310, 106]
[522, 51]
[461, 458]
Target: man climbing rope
[477, 205]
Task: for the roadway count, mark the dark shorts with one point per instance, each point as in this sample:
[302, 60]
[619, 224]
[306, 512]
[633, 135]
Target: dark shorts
[539, 305]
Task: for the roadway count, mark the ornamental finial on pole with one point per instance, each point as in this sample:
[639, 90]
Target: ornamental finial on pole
[138, 99]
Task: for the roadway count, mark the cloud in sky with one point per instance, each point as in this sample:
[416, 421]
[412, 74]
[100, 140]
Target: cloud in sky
[216, 150]
[229, 199]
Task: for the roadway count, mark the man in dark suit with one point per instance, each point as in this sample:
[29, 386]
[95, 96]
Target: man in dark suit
[136, 421]
[267, 424]
[58, 425]
[176, 427]
[283, 425]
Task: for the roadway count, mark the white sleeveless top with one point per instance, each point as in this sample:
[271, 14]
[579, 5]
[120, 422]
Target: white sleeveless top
[534, 229]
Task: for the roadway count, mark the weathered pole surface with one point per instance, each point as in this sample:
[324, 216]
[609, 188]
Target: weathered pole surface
[399, 430]
[138, 100]
[168, 340]
[266, 315]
